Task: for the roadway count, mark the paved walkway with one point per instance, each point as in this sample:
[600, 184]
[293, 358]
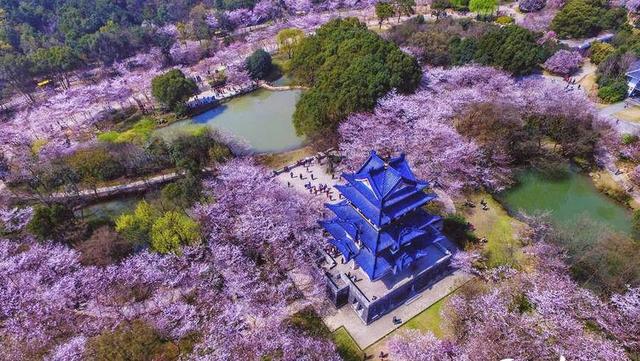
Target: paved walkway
[623, 126]
[311, 179]
[109, 191]
[367, 335]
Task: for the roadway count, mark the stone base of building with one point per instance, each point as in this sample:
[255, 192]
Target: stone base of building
[370, 300]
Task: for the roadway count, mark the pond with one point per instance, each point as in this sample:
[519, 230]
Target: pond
[567, 199]
[109, 209]
[262, 119]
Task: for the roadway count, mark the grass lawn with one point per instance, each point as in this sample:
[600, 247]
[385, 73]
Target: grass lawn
[427, 320]
[500, 229]
[347, 347]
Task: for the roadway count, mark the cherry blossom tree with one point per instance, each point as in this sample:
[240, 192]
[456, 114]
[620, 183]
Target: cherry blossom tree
[535, 314]
[231, 291]
[421, 124]
[564, 62]
[414, 345]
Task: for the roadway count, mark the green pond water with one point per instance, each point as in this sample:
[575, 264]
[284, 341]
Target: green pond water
[111, 208]
[567, 200]
[262, 119]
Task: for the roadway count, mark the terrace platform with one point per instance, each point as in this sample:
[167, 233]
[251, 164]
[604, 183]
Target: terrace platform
[367, 335]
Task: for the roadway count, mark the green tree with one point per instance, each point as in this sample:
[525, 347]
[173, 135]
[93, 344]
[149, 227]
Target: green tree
[198, 16]
[16, 70]
[136, 226]
[182, 193]
[288, 39]
[165, 42]
[463, 51]
[173, 230]
[405, 7]
[51, 221]
[259, 64]
[192, 152]
[55, 62]
[348, 68]
[578, 19]
[384, 11]
[483, 7]
[95, 165]
[172, 88]
[511, 48]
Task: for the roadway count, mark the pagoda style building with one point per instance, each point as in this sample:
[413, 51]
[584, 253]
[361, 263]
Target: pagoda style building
[384, 247]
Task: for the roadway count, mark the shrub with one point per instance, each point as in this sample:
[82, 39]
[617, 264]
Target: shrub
[504, 20]
[463, 51]
[614, 92]
[51, 221]
[628, 139]
[600, 51]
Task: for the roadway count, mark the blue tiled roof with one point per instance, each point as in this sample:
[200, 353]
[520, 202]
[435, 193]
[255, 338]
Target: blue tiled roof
[383, 191]
[383, 211]
[375, 267]
[364, 205]
[345, 247]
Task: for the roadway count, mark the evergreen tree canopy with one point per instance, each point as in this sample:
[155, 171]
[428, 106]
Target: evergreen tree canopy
[511, 48]
[259, 64]
[173, 88]
[348, 68]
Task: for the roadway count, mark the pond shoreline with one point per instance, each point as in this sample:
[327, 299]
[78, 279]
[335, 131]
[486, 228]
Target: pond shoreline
[260, 121]
[567, 199]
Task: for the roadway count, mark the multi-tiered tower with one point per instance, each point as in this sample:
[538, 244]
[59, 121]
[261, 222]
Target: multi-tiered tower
[382, 230]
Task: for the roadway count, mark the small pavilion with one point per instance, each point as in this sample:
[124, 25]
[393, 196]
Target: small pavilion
[384, 247]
